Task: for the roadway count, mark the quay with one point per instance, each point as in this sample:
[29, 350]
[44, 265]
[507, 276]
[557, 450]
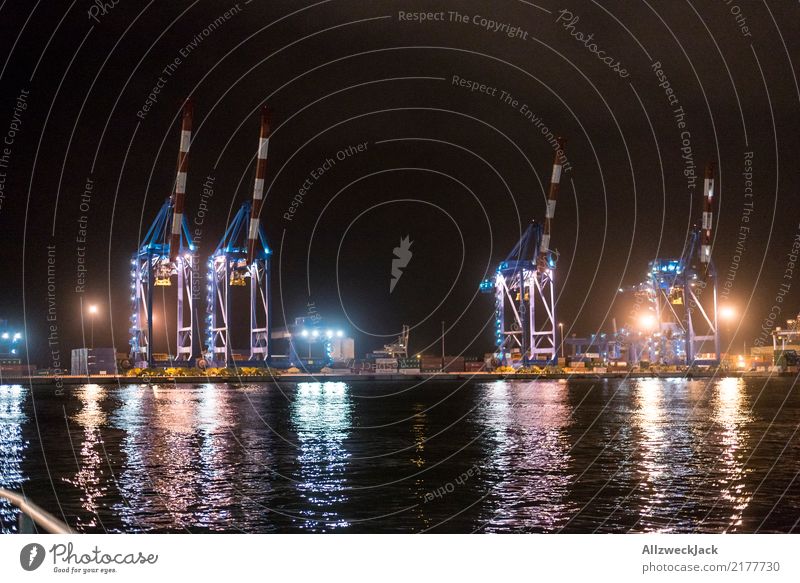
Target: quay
[73, 380]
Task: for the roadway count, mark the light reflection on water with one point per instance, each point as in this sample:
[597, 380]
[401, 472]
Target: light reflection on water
[657, 450]
[89, 455]
[640, 455]
[731, 418]
[419, 460]
[321, 417]
[12, 449]
[177, 465]
[692, 465]
[529, 464]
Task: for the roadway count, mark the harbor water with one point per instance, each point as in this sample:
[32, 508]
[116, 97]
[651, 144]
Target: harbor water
[631, 455]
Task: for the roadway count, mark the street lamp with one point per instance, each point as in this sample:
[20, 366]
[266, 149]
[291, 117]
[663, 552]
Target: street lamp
[647, 321]
[443, 346]
[561, 335]
[92, 314]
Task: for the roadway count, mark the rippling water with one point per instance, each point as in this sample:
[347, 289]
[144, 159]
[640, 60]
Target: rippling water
[717, 455]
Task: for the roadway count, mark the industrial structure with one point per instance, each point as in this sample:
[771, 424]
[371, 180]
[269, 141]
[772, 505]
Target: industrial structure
[310, 346]
[398, 348]
[681, 295]
[524, 290]
[241, 260]
[166, 251]
[12, 352]
[679, 326]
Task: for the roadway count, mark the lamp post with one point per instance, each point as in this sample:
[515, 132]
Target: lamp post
[442, 345]
[92, 314]
[561, 336]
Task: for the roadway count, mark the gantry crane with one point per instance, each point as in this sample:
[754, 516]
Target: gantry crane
[242, 260]
[524, 289]
[165, 251]
[678, 289]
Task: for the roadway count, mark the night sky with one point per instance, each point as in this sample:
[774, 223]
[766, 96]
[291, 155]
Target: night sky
[460, 172]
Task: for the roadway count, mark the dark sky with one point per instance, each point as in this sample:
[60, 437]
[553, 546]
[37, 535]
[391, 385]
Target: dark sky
[459, 172]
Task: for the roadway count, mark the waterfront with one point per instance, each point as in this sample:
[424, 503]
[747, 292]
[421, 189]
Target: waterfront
[635, 455]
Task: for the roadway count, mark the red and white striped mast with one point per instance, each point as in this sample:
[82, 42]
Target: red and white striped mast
[550, 211]
[708, 215]
[258, 187]
[179, 195]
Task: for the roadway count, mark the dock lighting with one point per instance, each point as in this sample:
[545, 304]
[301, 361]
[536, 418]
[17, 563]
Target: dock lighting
[17, 336]
[304, 333]
[329, 333]
[727, 313]
[5, 335]
[339, 334]
[315, 333]
[647, 321]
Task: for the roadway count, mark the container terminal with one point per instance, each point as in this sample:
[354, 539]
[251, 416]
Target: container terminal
[677, 332]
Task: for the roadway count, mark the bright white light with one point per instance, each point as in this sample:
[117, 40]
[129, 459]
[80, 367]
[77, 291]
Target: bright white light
[329, 333]
[5, 335]
[339, 334]
[92, 309]
[315, 333]
[17, 336]
[727, 313]
[647, 321]
[304, 333]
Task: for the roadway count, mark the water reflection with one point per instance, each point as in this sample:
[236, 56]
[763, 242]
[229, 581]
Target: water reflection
[649, 454]
[12, 449]
[692, 455]
[730, 416]
[90, 456]
[651, 419]
[321, 416]
[178, 457]
[528, 462]
[419, 459]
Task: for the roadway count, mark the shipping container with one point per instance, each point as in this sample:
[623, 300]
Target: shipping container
[94, 361]
[385, 365]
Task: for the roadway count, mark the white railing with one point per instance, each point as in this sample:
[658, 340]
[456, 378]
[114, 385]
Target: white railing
[33, 519]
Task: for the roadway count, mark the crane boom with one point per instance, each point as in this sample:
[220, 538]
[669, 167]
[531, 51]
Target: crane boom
[550, 211]
[708, 214]
[258, 187]
[179, 195]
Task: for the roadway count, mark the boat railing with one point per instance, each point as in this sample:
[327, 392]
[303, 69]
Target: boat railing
[32, 518]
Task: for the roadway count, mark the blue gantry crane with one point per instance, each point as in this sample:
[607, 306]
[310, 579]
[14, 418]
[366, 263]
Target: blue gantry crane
[682, 294]
[524, 290]
[166, 251]
[242, 259]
